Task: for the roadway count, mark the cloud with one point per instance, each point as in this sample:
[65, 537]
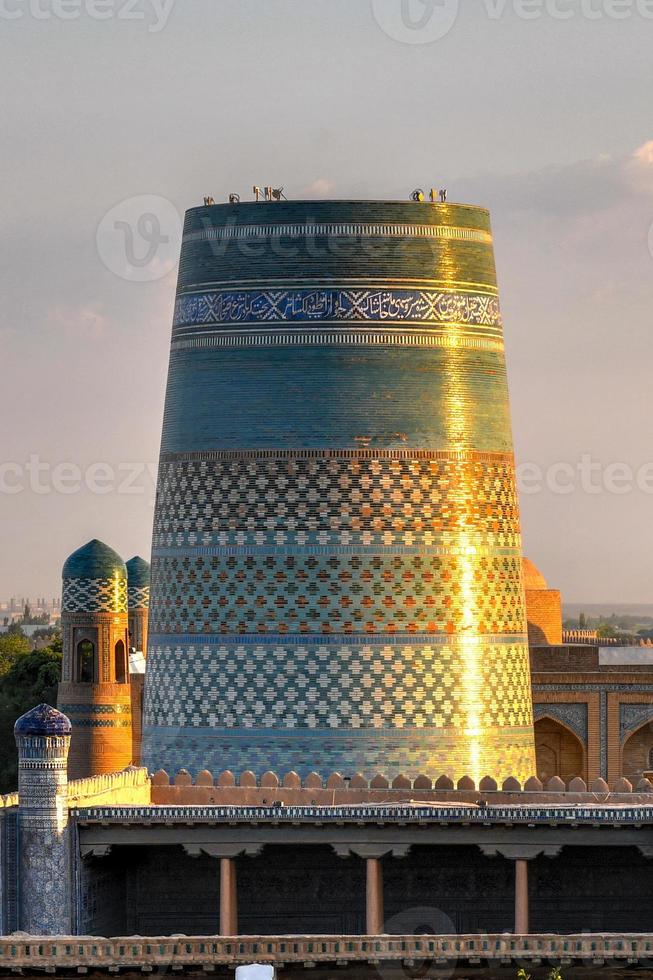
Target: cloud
[644, 154]
[574, 248]
[86, 321]
[319, 188]
[639, 169]
[584, 187]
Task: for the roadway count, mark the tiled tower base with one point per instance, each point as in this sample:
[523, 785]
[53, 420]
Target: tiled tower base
[336, 578]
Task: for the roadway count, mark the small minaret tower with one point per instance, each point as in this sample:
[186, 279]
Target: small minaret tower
[45, 897]
[138, 604]
[95, 689]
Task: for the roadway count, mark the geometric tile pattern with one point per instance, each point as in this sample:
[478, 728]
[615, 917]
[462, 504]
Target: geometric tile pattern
[138, 597]
[45, 879]
[336, 593]
[102, 723]
[433, 751]
[336, 686]
[94, 709]
[418, 499]
[632, 716]
[98, 715]
[94, 595]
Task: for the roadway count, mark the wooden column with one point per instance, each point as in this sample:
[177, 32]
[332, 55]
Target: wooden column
[521, 898]
[375, 914]
[228, 897]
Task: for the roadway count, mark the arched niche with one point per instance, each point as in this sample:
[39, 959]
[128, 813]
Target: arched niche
[85, 669]
[120, 663]
[637, 752]
[558, 751]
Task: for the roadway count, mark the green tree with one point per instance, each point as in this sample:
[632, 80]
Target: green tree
[56, 643]
[15, 629]
[605, 630]
[582, 622]
[12, 645]
[30, 680]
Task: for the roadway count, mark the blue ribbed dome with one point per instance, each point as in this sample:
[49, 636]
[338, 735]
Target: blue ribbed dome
[43, 720]
[94, 560]
[138, 573]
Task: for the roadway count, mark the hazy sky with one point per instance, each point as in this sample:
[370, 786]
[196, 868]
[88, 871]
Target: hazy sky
[546, 118]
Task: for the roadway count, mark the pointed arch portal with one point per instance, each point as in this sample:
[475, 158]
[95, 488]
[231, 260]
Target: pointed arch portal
[558, 750]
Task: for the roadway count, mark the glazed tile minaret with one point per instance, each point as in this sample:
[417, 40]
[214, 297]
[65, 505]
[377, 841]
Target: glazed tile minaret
[95, 690]
[138, 603]
[336, 564]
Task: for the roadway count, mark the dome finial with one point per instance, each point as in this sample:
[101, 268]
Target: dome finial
[43, 720]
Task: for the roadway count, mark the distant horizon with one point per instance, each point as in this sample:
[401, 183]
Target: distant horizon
[617, 608]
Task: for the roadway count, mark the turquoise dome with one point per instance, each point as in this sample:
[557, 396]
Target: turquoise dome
[138, 573]
[94, 560]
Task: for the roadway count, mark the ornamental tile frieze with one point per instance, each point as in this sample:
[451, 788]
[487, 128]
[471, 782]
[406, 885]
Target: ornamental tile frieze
[397, 305]
[314, 229]
[94, 595]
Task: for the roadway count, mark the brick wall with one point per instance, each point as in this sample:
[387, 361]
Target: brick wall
[544, 614]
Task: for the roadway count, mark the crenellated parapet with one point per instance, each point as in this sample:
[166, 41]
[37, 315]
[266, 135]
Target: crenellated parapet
[288, 789]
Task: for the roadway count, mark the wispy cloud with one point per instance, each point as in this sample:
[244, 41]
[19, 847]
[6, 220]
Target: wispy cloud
[86, 321]
[320, 187]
